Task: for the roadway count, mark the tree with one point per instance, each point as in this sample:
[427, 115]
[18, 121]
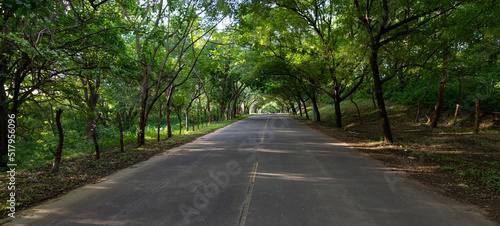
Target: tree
[383, 23]
[177, 29]
[58, 152]
[456, 41]
[38, 41]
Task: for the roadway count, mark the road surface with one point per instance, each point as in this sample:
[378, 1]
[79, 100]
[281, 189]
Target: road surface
[264, 170]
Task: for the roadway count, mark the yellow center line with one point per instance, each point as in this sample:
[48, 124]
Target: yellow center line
[255, 172]
[254, 175]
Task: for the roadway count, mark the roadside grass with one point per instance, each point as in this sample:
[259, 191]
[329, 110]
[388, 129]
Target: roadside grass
[36, 183]
[449, 158]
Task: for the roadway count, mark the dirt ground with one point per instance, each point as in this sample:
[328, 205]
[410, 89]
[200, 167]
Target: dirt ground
[456, 163]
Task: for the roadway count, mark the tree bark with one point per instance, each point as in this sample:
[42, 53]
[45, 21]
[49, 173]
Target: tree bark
[418, 110]
[180, 121]
[439, 104]
[300, 105]
[478, 116]
[142, 111]
[169, 111]
[205, 116]
[120, 127]
[186, 111]
[357, 108]
[377, 83]
[58, 152]
[91, 95]
[372, 95]
[315, 107]
[94, 138]
[338, 112]
[158, 128]
[442, 85]
[455, 118]
[305, 109]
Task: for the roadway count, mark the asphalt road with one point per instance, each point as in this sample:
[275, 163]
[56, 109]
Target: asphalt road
[264, 170]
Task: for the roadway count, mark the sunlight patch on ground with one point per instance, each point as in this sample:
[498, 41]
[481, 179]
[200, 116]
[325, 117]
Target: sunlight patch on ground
[292, 177]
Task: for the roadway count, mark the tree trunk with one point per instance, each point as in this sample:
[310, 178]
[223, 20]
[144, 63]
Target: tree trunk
[478, 116]
[338, 112]
[209, 113]
[158, 128]
[218, 117]
[305, 109]
[120, 127]
[180, 123]
[373, 96]
[169, 122]
[94, 138]
[419, 105]
[300, 107]
[442, 85]
[186, 111]
[90, 123]
[205, 116]
[169, 111]
[192, 118]
[58, 152]
[234, 109]
[377, 83]
[91, 87]
[4, 132]
[316, 114]
[357, 108]
[455, 118]
[439, 104]
[142, 111]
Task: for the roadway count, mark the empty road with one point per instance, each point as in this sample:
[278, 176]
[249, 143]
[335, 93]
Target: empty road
[263, 170]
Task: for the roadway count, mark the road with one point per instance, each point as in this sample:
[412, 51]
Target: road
[263, 170]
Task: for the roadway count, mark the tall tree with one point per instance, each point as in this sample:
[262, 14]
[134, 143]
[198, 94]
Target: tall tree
[387, 21]
[38, 40]
[163, 36]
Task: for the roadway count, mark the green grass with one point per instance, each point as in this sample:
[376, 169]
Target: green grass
[327, 112]
[36, 149]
